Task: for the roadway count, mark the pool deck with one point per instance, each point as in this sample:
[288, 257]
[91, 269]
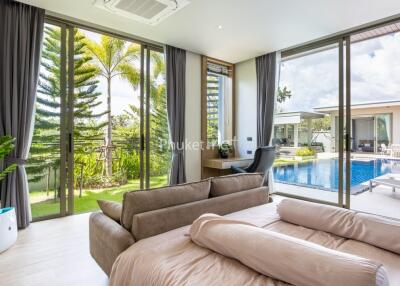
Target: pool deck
[356, 155]
[381, 200]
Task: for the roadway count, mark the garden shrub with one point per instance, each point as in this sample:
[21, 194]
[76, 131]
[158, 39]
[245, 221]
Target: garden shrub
[305, 151]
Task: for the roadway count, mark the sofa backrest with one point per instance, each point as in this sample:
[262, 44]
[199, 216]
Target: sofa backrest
[225, 185]
[137, 202]
[158, 221]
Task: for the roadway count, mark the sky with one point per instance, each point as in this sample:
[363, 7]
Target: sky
[313, 79]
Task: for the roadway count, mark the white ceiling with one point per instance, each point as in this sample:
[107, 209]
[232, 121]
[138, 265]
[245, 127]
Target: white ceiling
[249, 27]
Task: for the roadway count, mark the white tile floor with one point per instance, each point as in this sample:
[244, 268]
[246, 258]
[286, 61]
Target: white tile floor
[52, 253]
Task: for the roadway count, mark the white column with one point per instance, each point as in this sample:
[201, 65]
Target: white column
[296, 135]
[309, 131]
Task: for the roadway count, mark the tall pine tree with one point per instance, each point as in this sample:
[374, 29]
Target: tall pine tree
[44, 158]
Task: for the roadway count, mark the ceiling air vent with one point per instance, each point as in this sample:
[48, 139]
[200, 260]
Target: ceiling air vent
[149, 12]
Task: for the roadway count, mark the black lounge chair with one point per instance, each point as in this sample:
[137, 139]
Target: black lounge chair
[263, 159]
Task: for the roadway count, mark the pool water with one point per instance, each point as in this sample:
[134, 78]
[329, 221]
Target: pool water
[324, 173]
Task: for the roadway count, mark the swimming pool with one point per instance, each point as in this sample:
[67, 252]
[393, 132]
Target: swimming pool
[324, 173]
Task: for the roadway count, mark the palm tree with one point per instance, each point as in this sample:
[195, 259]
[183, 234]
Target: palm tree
[114, 58]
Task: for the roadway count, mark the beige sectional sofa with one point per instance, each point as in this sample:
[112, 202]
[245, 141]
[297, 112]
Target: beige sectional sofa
[151, 212]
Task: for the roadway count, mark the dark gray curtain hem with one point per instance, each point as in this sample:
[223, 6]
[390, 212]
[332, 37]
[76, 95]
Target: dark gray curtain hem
[176, 85]
[266, 76]
[21, 33]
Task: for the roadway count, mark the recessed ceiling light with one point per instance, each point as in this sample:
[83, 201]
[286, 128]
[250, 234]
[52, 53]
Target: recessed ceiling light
[220, 27]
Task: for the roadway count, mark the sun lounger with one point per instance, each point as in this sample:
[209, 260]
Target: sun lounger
[395, 150]
[391, 181]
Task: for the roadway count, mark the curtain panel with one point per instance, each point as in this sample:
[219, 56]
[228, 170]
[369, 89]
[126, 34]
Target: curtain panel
[176, 84]
[21, 34]
[267, 76]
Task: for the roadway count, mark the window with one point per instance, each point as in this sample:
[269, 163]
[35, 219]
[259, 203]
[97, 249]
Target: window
[215, 108]
[308, 82]
[218, 103]
[342, 96]
[101, 121]
[217, 112]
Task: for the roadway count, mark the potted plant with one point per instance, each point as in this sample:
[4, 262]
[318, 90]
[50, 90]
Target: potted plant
[224, 150]
[8, 221]
[6, 146]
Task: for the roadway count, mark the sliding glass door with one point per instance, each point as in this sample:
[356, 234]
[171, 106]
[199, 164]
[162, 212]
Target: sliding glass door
[336, 124]
[375, 107]
[101, 124]
[310, 125]
[158, 150]
[47, 159]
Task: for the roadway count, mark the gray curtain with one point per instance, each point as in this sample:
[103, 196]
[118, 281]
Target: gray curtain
[176, 83]
[21, 33]
[266, 81]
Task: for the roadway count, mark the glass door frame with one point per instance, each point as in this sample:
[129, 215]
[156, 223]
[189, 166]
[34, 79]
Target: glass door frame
[347, 75]
[64, 114]
[70, 121]
[344, 117]
[145, 94]
[345, 70]
[67, 110]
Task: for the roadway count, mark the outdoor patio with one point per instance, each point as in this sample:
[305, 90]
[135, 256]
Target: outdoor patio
[381, 200]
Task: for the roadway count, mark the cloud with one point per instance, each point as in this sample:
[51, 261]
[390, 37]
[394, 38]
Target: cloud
[313, 79]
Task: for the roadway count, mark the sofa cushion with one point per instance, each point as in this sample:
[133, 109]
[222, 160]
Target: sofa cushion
[158, 221]
[221, 186]
[111, 209]
[136, 202]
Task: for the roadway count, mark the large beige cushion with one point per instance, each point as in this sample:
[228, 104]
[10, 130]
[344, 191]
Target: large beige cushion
[221, 186]
[111, 209]
[162, 220]
[372, 229]
[143, 201]
[283, 257]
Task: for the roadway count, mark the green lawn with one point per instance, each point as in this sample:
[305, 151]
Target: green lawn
[41, 205]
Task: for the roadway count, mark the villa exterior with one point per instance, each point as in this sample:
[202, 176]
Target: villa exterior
[294, 129]
[375, 126]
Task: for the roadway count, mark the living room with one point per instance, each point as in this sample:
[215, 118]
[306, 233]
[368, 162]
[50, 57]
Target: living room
[125, 123]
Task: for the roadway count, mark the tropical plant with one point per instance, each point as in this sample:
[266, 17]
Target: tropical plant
[113, 58]
[127, 125]
[283, 94]
[6, 146]
[159, 132]
[321, 124]
[45, 149]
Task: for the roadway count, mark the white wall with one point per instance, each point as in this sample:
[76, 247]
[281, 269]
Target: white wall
[246, 107]
[193, 116]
